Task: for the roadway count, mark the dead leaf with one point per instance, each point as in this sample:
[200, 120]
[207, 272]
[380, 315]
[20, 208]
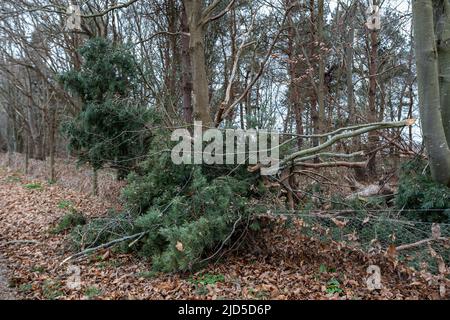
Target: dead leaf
[391, 252]
[106, 255]
[340, 224]
[179, 246]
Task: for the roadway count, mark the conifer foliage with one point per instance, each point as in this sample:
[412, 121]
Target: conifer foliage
[188, 215]
[110, 129]
[420, 196]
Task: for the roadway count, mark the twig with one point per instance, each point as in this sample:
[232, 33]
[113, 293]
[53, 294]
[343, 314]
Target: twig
[22, 242]
[419, 243]
[225, 113]
[336, 138]
[223, 243]
[103, 246]
[332, 164]
[332, 155]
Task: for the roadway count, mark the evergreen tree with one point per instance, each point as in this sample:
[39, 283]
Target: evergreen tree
[110, 129]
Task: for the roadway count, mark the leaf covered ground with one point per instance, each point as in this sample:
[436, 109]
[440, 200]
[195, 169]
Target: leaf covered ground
[283, 264]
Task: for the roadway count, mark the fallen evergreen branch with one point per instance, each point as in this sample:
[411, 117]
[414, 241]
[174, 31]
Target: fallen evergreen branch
[104, 246]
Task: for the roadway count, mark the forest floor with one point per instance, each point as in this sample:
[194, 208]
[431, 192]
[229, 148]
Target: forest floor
[6, 293]
[286, 266]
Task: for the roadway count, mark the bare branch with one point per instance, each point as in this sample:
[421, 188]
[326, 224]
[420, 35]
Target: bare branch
[336, 138]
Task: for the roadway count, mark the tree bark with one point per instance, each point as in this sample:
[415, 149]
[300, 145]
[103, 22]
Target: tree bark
[321, 86]
[186, 71]
[194, 11]
[95, 182]
[349, 52]
[443, 35]
[429, 91]
[27, 153]
[294, 94]
[52, 143]
[372, 116]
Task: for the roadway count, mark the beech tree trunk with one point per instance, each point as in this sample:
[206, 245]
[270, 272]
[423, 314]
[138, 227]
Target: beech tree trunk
[432, 75]
[443, 46]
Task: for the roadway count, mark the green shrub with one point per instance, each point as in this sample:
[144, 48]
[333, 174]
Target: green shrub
[101, 230]
[333, 286]
[92, 292]
[52, 290]
[194, 222]
[25, 288]
[186, 212]
[65, 204]
[207, 279]
[69, 221]
[33, 186]
[420, 197]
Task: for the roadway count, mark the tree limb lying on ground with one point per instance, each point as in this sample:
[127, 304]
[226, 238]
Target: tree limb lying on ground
[104, 246]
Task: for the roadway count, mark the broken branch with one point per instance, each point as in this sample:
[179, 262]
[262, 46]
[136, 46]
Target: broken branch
[366, 129]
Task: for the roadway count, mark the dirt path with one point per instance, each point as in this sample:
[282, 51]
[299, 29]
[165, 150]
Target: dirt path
[292, 268]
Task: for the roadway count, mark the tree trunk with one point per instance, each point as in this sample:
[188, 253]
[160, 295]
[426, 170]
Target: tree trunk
[372, 116]
[194, 11]
[186, 71]
[429, 91]
[95, 182]
[27, 153]
[321, 87]
[52, 144]
[171, 58]
[294, 94]
[443, 35]
[11, 139]
[349, 52]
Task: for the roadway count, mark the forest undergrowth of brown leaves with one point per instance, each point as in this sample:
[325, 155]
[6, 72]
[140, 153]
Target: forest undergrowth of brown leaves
[283, 265]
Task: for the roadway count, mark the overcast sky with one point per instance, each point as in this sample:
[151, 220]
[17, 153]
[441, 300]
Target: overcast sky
[402, 5]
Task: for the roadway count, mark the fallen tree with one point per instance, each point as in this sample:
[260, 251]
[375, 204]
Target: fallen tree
[182, 216]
